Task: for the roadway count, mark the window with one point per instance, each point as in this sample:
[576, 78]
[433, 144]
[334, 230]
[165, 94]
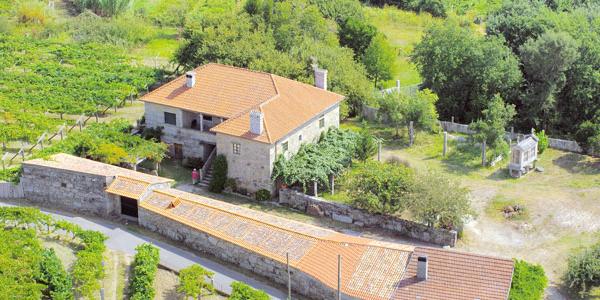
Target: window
[208, 118]
[322, 122]
[170, 118]
[237, 148]
[300, 137]
[284, 146]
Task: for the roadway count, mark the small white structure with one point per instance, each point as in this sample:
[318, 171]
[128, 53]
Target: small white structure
[523, 156]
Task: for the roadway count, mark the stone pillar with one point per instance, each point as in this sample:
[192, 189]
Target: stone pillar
[452, 120]
[201, 121]
[332, 184]
[532, 131]
[378, 150]
[398, 86]
[512, 133]
[483, 153]
[445, 150]
[315, 189]
[411, 132]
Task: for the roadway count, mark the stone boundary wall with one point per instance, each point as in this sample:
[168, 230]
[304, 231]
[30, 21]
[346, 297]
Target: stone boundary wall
[9, 190]
[252, 261]
[347, 214]
[565, 145]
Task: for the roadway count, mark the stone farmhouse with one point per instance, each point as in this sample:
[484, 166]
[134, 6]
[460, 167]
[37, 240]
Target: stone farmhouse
[250, 117]
[261, 243]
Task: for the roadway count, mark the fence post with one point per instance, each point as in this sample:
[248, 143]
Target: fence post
[315, 188]
[332, 184]
[287, 258]
[483, 153]
[411, 132]
[445, 150]
[452, 120]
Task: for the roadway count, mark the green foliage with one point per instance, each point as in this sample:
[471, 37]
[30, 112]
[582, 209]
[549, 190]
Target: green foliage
[399, 109]
[465, 70]
[339, 10]
[263, 195]
[122, 31]
[108, 142]
[145, 265]
[583, 270]
[105, 8]
[436, 8]
[242, 291]
[11, 174]
[20, 253]
[542, 141]
[42, 75]
[492, 127]
[53, 274]
[588, 135]
[170, 12]
[22, 122]
[217, 184]
[88, 270]
[528, 283]
[440, 201]
[381, 187]
[316, 162]
[32, 11]
[380, 59]
[193, 282]
[357, 35]
[366, 146]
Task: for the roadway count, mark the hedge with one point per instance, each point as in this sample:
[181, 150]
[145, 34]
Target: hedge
[217, 184]
[242, 291]
[59, 282]
[145, 265]
[529, 281]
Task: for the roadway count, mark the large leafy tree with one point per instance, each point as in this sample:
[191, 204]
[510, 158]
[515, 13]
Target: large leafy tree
[465, 70]
[545, 62]
[380, 59]
[492, 127]
[357, 35]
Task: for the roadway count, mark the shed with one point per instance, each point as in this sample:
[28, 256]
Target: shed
[523, 156]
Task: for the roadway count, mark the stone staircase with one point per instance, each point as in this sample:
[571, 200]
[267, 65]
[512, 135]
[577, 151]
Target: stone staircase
[206, 178]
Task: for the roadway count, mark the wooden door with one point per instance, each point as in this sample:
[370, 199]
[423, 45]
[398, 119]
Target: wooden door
[177, 151]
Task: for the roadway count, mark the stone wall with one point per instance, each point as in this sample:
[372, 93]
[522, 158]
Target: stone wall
[9, 190]
[455, 127]
[564, 145]
[344, 213]
[232, 253]
[68, 190]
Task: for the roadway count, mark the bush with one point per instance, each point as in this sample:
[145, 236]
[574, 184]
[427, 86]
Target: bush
[217, 184]
[231, 183]
[105, 8]
[366, 146]
[583, 271]
[192, 282]
[11, 174]
[32, 12]
[263, 195]
[542, 141]
[242, 291]
[55, 277]
[123, 31]
[529, 281]
[88, 269]
[145, 265]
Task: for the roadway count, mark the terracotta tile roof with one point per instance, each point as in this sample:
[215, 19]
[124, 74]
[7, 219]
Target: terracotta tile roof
[365, 274]
[456, 275]
[128, 187]
[231, 93]
[83, 165]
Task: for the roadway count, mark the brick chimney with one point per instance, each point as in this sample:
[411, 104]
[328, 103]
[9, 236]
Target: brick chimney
[422, 267]
[256, 122]
[190, 79]
[320, 78]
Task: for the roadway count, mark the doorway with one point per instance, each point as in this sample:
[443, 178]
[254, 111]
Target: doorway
[129, 207]
[177, 151]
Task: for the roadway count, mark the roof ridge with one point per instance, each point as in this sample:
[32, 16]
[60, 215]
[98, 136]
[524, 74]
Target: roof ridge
[171, 82]
[455, 251]
[236, 67]
[133, 179]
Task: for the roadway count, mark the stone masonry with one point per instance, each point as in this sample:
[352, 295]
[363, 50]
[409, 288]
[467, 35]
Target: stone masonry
[346, 214]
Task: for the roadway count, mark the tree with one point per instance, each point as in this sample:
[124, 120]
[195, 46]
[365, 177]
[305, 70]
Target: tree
[380, 59]
[517, 21]
[529, 281]
[588, 135]
[465, 70]
[357, 35]
[583, 270]
[492, 127]
[390, 111]
[217, 184]
[381, 187]
[439, 201]
[420, 109]
[242, 291]
[545, 61]
[366, 146]
[192, 281]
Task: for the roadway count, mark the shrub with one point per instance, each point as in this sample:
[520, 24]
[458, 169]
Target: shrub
[263, 195]
[122, 31]
[366, 146]
[529, 281]
[11, 174]
[145, 265]
[153, 133]
[192, 282]
[32, 12]
[242, 291]
[583, 271]
[55, 277]
[542, 141]
[88, 269]
[105, 8]
[232, 184]
[217, 184]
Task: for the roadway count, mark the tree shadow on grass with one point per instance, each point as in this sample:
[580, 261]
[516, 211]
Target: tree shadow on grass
[463, 159]
[578, 164]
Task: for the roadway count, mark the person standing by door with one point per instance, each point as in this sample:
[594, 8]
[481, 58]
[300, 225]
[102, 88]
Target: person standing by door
[195, 176]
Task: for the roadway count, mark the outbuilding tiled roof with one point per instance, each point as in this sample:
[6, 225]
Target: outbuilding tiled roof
[370, 269]
[231, 93]
[128, 187]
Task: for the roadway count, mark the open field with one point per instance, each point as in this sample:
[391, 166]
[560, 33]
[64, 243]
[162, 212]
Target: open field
[561, 204]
